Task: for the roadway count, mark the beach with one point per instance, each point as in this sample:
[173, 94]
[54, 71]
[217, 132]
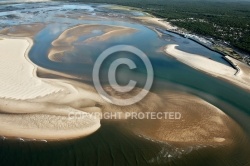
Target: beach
[155, 22]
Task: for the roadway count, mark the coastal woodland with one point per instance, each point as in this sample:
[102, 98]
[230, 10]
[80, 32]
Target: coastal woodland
[225, 21]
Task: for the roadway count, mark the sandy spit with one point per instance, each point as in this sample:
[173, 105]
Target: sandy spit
[240, 78]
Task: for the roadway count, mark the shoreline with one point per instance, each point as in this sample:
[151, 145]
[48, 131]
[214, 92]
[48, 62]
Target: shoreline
[181, 33]
[169, 27]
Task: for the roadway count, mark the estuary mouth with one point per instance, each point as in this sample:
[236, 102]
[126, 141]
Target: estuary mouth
[87, 84]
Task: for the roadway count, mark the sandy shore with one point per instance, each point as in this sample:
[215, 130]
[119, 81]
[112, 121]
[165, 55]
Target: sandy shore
[156, 22]
[240, 78]
[99, 33]
[32, 107]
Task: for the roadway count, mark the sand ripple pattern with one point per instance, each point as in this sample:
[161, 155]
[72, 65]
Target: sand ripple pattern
[17, 74]
[38, 108]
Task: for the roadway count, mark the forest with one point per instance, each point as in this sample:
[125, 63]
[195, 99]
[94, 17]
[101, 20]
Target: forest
[221, 20]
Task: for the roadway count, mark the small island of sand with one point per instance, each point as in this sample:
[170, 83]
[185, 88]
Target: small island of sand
[100, 33]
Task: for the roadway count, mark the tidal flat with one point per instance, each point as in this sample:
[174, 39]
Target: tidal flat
[49, 74]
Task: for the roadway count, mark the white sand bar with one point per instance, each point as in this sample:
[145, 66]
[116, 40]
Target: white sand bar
[31, 107]
[212, 67]
[18, 75]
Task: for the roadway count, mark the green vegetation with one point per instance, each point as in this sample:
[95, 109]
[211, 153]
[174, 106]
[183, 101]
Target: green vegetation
[226, 21]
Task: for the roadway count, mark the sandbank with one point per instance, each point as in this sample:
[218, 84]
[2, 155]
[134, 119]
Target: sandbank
[200, 123]
[238, 75]
[32, 107]
[68, 39]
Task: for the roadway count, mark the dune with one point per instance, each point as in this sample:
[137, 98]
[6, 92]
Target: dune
[239, 75]
[17, 81]
[32, 107]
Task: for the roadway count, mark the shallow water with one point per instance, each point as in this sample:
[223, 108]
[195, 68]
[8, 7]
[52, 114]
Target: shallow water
[113, 144]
